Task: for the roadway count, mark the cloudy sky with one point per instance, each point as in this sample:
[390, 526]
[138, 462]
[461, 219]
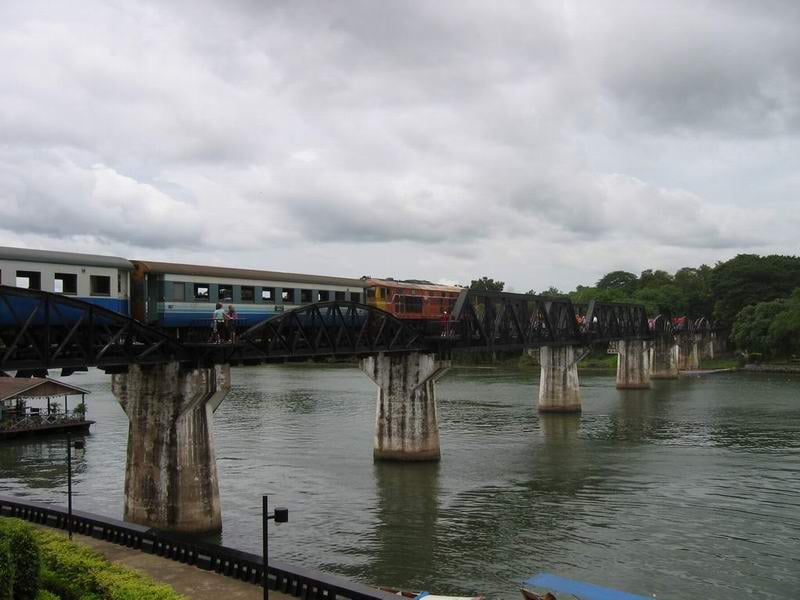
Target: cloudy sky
[539, 143]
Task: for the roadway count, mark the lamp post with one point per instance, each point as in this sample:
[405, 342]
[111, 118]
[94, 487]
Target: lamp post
[281, 515]
[79, 445]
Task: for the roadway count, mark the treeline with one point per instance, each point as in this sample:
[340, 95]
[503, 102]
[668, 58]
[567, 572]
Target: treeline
[755, 298]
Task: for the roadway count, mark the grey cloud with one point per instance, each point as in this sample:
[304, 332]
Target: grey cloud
[200, 127]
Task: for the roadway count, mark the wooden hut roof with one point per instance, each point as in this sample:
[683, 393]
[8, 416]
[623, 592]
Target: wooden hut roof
[36, 387]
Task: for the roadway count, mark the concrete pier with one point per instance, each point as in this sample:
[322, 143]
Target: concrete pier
[664, 359]
[558, 385]
[171, 472]
[406, 424]
[688, 353]
[633, 365]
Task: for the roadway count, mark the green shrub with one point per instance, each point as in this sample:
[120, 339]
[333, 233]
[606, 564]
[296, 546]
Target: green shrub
[45, 595]
[25, 556]
[6, 571]
[75, 572]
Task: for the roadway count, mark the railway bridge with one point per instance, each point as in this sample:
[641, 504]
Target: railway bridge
[169, 389]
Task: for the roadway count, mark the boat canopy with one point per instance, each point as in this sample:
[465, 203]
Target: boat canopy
[584, 591]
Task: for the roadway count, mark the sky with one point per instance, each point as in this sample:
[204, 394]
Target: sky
[539, 143]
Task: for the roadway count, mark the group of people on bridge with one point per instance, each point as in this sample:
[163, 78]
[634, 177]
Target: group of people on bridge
[221, 328]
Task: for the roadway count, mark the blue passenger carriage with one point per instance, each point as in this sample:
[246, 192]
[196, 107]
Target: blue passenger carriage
[101, 280]
[181, 297]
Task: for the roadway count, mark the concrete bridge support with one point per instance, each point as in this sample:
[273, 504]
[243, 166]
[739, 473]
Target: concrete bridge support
[171, 472]
[664, 359]
[688, 353]
[633, 365]
[559, 388]
[406, 424]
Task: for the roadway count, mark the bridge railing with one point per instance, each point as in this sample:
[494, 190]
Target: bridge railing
[244, 566]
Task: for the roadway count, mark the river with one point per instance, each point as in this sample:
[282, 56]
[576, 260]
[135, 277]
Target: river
[688, 490]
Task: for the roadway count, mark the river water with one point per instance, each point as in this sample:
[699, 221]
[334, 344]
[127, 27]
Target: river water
[688, 490]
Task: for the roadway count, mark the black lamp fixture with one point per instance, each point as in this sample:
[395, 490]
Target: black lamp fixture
[280, 515]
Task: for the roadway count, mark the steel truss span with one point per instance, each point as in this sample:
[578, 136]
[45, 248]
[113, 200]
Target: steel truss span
[505, 321]
[335, 328]
[40, 330]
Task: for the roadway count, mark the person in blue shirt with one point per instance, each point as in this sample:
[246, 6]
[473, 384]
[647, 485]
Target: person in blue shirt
[220, 325]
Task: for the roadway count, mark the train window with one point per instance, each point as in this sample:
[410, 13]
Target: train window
[201, 291]
[384, 293]
[225, 292]
[287, 295]
[355, 297]
[248, 293]
[268, 294]
[340, 295]
[324, 295]
[178, 291]
[65, 283]
[100, 285]
[306, 296]
[31, 280]
[413, 304]
[370, 294]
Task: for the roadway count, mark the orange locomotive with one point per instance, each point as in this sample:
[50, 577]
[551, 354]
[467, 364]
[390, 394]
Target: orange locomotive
[412, 299]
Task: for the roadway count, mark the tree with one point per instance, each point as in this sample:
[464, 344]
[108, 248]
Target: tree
[553, 292]
[749, 279]
[619, 280]
[651, 278]
[784, 331]
[750, 331]
[487, 284]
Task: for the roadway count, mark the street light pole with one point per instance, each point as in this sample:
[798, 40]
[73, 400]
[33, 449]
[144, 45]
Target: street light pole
[69, 483]
[281, 515]
[265, 542]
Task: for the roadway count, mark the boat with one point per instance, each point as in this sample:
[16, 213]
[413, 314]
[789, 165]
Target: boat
[576, 589]
[427, 595]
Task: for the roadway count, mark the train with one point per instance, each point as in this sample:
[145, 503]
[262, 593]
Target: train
[177, 297]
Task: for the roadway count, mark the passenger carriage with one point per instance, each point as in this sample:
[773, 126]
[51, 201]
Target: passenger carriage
[182, 297]
[97, 279]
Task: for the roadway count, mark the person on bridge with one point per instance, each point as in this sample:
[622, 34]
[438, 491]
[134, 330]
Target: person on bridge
[230, 324]
[219, 325]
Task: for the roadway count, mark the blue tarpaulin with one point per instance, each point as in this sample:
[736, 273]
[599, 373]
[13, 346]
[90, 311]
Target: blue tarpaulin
[584, 591]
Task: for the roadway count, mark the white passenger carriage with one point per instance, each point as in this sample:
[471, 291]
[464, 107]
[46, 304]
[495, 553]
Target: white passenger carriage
[101, 280]
[178, 296]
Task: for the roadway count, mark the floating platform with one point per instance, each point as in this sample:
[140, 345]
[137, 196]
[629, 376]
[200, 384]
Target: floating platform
[45, 428]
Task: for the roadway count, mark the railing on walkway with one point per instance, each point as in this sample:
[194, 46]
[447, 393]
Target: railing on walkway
[35, 421]
[297, 581]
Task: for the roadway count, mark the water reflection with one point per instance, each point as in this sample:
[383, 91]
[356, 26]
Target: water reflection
[38, 463]
[406, 532]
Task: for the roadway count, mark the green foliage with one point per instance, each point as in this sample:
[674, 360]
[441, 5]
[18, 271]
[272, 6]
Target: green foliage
[25, 556]
[553, 292]
[6, 570]
[769, 328]
[45, 595]
[651, 278]
[619, 280]
[749, 279]
[784, 331]
[75, 572]
[487, 284]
